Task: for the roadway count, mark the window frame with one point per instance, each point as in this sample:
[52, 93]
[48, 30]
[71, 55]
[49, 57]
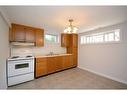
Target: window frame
[57, 38]
[101, 33]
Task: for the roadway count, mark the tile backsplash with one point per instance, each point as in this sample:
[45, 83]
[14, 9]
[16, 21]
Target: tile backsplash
[22, 51]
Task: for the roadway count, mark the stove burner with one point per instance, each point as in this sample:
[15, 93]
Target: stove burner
[29, 56]
[14, 57]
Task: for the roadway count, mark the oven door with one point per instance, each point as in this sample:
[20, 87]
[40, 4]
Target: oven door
[20, 67]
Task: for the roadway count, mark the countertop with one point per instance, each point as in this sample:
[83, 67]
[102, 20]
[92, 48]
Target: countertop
[54, 55]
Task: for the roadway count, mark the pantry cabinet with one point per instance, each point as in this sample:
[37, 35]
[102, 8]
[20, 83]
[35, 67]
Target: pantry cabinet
[65, 40]
[67, 61]
[74, 52]
[70, 41]
[74, 40]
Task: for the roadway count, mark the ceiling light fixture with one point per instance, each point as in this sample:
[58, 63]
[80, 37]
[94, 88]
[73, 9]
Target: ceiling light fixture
[71, 29]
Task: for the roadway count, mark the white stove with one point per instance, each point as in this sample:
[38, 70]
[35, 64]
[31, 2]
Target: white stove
[20, 69]
[20, 57]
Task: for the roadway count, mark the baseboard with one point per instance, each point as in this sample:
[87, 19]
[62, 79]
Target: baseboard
[115, 79]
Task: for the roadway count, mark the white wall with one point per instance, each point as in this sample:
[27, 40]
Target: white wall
[55, 48]
[109, 59]
[4, 51]
[37, 51]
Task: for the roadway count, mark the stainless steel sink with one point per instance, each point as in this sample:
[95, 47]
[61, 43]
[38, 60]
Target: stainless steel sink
[51, 54]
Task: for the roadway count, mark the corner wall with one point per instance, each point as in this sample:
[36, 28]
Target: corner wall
[110, 59]
[4, 51]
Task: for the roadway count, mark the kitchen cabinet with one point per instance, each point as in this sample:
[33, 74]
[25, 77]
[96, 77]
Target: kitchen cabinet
[21, 33]
[74, 40]
[10, 35]
[69, 40]
[65, 40]
[30, 34]
[41, 67]
[75, 61]
[51, 64]
[59, 63]
[74, 52]
[67, 62]
[18, 33]
[39, 37]
[48, 65]
[72, 46]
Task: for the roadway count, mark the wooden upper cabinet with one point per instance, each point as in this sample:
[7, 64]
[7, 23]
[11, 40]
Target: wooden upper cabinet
[65, 40]
[10, 35]
[21, 33]
[17, 33]
[69, 40]
[39, 37]
[30, 34]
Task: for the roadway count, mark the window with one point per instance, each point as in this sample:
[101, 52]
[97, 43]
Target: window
[49, 38]
[104, 37]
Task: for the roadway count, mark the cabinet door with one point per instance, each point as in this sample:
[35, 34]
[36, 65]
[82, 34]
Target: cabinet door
[18, 33]
[75, 61]
[74, 40]
[74, 52]
[65, 40]
[39, 37]
[59, 63]
[30, 34]
[41, 67]
[67, 61]
[51, 64]
[75, 56]
[11, 38]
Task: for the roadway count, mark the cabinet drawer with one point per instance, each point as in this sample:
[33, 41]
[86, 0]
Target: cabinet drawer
[41, 60]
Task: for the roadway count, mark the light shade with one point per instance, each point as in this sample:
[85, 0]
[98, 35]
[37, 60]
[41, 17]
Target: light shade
[70, 29]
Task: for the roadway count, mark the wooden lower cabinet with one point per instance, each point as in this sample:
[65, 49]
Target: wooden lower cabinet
[74, 52]
[59, 63]
[67, 61]
[51, 64]
[41, 67]
[48, 65]
[75, 61]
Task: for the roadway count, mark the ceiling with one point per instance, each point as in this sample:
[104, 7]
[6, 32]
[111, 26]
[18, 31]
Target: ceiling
[55, 18]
